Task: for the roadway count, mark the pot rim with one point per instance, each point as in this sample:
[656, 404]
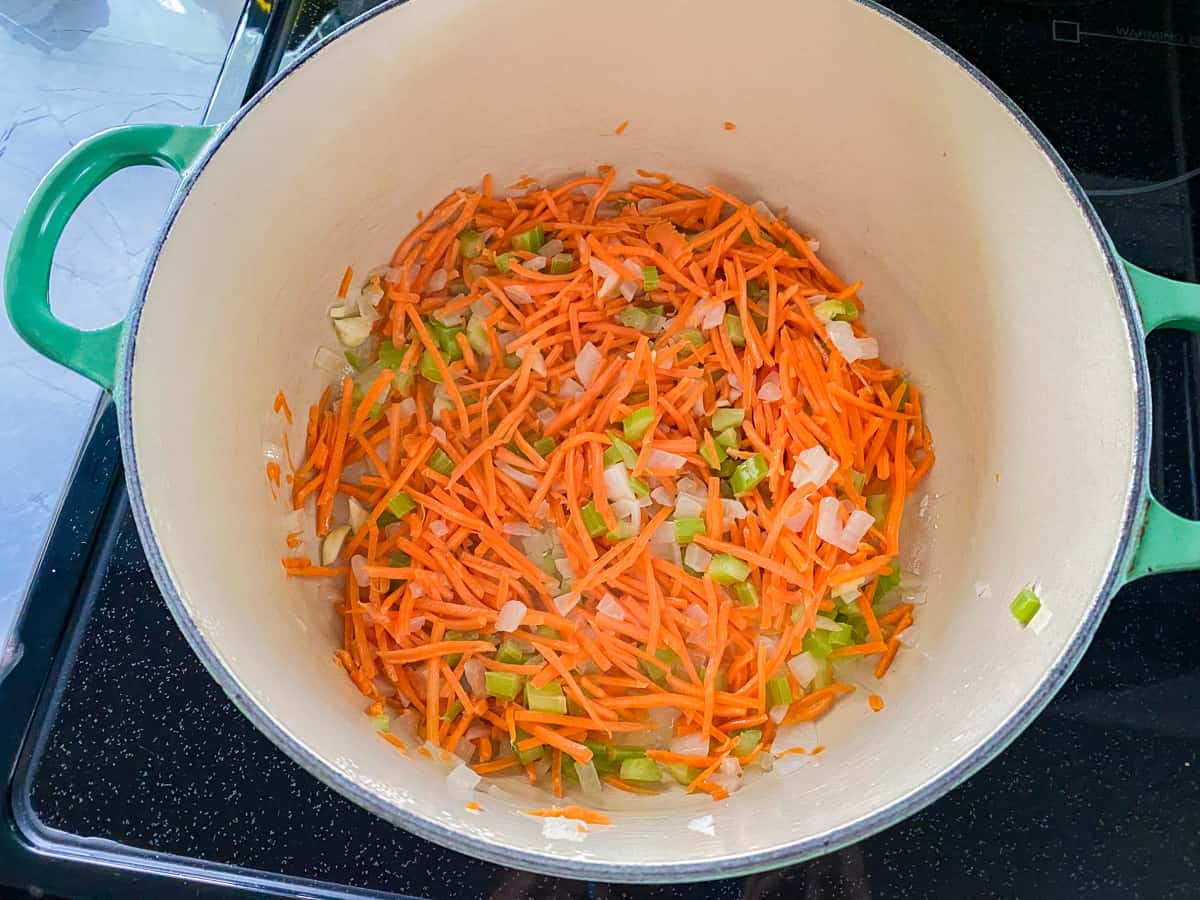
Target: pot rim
[734, 864]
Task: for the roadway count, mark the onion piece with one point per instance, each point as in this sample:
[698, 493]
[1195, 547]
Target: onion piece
[732, 511]
[697, 558]
[463, 779]
[570, 389]
[610, 278]
[586, 363]
[512, 614]
[476, 676]
[437, 280]
[525, 479]
[439, 528]
[564, 603]
[661, 459]
[551, 248]
[358, 567]
[805, 667]
[352, 331]
[589, 778]
[332, 545]
[517, 294]
[688, 507]
[813, 466]
[824, 623]
[539, 361]
[616, 482]
[763, 210]
[358, 513]
[609, 606]
[770, 390]
[661, 496]
[841, 335]
[694, 744]
[797, 522]
[536, 264]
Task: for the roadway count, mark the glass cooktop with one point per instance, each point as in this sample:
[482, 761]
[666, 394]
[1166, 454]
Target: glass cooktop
[130, 774]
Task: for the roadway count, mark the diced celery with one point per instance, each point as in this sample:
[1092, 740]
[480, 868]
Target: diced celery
[477, 335]
[650, 278]
[399, 560]
[510, 652]
[441, 462]
[637, 423]
[459, 289]
[817, 643]
[470, 243]
[836, 311]
[592, 520]
[429, 369]
[877, 506]
[681, 773]
[375, 412]
[561, 263]
[620, 451]
[401, 504]
[728, 438]
[502, 261]
[356, 362]
[452, 711]
[1025, 606]
[748, 474]
[639, 487]
[885, 584]
[525, 757]
[641, 769]
[389, 354]
[779, 692]
[632, 317]
[547, 631]
[543, 446]
[707, 456]
[726, 569]
[728, 417]
[733, 327]
[858, 480]
[620, 753]
[623, 532]
[503, 684]
[530, 241]
[402, 382]
[381, 722]
[843, 637]
[749, 739]
[745, 593]
[687, 529]
[548, 699]
[655, 672]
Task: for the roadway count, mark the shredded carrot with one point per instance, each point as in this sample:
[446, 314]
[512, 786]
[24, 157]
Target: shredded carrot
[582, 814]
[621, 128]
[529, 447]
[729, 126]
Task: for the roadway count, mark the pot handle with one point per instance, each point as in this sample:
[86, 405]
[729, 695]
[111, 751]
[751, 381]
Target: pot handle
[93, 354]
[1168, 542]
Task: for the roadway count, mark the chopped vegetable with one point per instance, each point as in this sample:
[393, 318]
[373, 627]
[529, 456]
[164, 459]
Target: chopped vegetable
[593, 607]
[1025, 606]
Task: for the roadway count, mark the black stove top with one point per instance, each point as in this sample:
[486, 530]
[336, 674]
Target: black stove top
[129, 773]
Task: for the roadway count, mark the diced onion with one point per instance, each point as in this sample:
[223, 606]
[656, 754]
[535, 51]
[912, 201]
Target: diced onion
[841, 335]
[551, 248]
[616, 482]
[475, 674]
[517, 294]
[646, 204]
[797, 522]
[697, 613]
[564, 603]
[664, 534]
[525, 479]
[694, 744]
[805, 667]
[565, 571]
[610, 278]
[536, 264]
[661, 459]
[439, 528]
[328, 361]
[416, 623]
[763, 210]
[539, 361]
[661, 496]
[777, 713]
[770, 390]
[668, 550]
[545, 416]
[688, 507]
[358, 566]
[697, 558]
[732, 511]
[813, 466]
[629, 289]
[511, 615]
[570, 389]
[519, 529]
[609, 606]
[437, 280]
[855, 529]
[589, 778]
[463, 778]
[824, 623]
[586, 363]
[332, 545]
[702, 825]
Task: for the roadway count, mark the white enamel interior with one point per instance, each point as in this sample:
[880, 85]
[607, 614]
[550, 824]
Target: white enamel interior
[982, 278]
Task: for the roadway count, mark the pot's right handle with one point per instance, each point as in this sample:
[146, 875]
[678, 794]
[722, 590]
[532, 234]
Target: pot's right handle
[1168, 542]
[92, 354]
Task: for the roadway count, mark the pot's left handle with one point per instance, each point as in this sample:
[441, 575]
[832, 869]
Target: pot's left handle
[1168, 542]
[92, 354]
